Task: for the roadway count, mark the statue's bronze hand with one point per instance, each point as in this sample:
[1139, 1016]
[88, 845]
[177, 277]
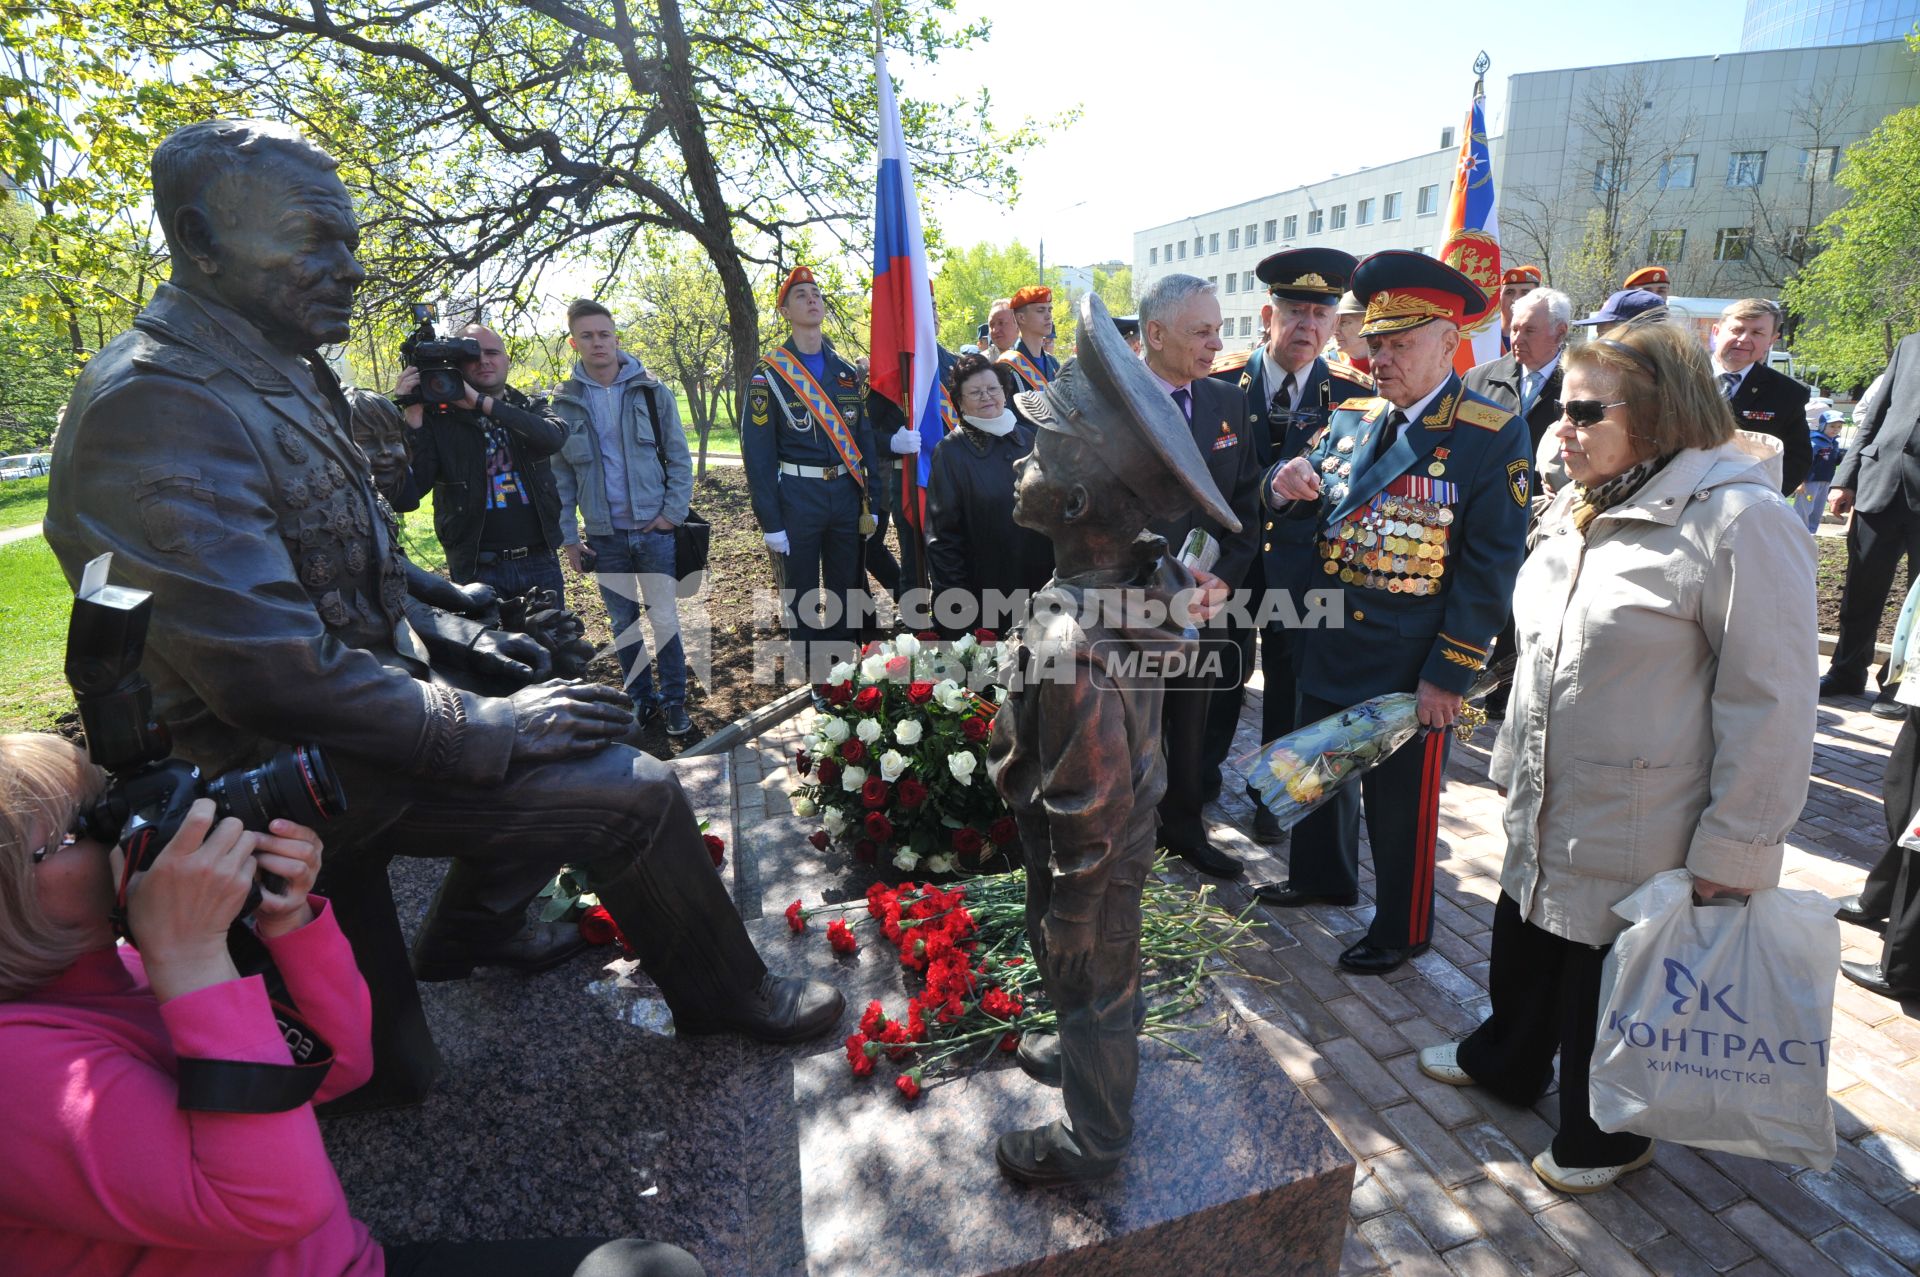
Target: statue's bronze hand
[510, 656]
[555, 720]
[480, 597]
[1070, 947]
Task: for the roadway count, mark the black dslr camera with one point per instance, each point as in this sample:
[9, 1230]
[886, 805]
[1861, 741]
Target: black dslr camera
[148, 793]
[438, 359]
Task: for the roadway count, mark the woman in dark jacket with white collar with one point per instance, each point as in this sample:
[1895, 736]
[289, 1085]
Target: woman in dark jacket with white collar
[973, 544]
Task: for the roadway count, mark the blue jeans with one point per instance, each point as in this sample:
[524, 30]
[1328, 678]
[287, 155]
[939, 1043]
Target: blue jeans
[635, 569]
[1811, 502]
[508, 577]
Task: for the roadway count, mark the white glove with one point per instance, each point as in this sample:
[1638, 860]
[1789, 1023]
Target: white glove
[777, 542]
[905, 442]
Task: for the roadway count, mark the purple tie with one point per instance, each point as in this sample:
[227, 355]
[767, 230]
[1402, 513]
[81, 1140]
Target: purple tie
[1183, 399]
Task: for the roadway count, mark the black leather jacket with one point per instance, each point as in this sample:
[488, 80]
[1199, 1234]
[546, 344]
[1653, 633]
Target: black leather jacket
[450, 458]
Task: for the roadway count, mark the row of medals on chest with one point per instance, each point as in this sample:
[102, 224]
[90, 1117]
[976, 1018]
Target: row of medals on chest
[1398, 545]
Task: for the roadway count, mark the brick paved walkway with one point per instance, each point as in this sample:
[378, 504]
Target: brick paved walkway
[1443, 1184]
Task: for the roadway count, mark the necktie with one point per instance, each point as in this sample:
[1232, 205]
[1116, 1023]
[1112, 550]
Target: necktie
[1395, 420]
[1729, 382]
[1529, 387]
[1283, 398]
[1183, 400]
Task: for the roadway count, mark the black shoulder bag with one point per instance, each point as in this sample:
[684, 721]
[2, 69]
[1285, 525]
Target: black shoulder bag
[694, 537]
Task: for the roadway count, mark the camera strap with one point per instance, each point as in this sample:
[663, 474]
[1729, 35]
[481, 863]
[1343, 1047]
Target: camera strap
[241, 1086]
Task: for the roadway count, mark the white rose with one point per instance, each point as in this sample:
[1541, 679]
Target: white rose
[892, 763]
[869, 730]
[852, 778]
[906, 645]
[962, 766]
[904, 859]
[950, 695]
[811, 743]
[908, 732]
[841, 672]
[835, 821]
[804, 806]
[874, 668]
[939, 864]
[834, 730]
[964, 644]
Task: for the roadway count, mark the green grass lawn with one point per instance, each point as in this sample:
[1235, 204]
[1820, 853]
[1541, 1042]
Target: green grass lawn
[23, 501]
[34, 606]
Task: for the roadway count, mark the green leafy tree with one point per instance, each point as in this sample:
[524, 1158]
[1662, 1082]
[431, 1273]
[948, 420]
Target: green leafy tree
[970, 280]
[677, 326]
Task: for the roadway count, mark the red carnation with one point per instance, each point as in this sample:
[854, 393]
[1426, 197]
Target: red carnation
[854, 751]
[840, 693]
[909, 1085]
[873, 1019]
[1003, 831]
[819, 839]
[857, 1056]
[999, 1005]
[986, 636]
[841, 937]
[967, 841]
[598, 926]
[898, 666]
[879, 828]
[796, 920]
[868, 700]
[829, 771]
[878, 896]
[874, 793]
[1011, 1042]
[919, 693]
[975, 729]
[717, 848]
[866, 851]
[912, 792]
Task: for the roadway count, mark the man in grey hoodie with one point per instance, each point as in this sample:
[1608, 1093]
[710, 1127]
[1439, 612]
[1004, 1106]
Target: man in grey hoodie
[624, 472]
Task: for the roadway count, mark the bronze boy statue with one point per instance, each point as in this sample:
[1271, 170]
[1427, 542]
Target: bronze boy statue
[1076, 746]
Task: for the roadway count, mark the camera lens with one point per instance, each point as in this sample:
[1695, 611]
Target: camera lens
[295, 784]
[439, 385]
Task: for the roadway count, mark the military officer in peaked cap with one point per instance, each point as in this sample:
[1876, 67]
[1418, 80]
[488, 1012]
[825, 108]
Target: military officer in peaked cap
[1129, 329]
[811, 466]
[1290, 391]
[1032, 366]
[1418, 501]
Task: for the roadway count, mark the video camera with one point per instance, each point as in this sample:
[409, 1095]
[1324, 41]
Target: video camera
[148, 793]
[438, 358]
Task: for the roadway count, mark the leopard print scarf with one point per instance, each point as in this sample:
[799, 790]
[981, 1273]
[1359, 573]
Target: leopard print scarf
[1590, 503]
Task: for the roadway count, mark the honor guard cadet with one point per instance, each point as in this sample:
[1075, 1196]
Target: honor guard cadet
[1652, 278]
[811, 464]
[1515, 284]
[1418, 500]
[1291, 390]
[1032, 366]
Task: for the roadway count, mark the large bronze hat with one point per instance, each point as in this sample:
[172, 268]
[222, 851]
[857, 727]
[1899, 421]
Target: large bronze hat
[1106, 398]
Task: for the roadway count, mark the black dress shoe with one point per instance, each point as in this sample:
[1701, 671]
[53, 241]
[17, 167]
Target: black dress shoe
[535, 947]
[1284, 895]
[1849, 910]
[1869, 977]
[1884, 706]
[1038, 1056]
[1840, 685]
[785, 1008]
[1369, 960]
[1209, 859]
[1044, 1158]
[1267, 829]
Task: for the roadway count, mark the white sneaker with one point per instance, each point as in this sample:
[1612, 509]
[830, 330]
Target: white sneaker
[1590, 1179]
[1442, 1064]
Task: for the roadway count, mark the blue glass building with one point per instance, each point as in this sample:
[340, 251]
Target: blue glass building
[1806, 24]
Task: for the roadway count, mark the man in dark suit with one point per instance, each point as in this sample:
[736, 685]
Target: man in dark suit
[1879, 481]
[1290, 391]
[1180, 323]
[1762, 400]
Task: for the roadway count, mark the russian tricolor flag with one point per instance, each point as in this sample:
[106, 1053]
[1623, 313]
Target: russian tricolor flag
[903, 346]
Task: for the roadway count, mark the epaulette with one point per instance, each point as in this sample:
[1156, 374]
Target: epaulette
[1369, 404]
[1347, 372]
[1487, 416]
[1230, 361]
[177, 361]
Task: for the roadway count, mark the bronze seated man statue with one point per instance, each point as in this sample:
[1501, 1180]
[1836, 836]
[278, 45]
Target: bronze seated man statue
[1076, 747]
[208, 449]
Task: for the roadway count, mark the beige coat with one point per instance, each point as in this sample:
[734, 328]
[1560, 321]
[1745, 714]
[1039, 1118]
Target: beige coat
[1663, 709]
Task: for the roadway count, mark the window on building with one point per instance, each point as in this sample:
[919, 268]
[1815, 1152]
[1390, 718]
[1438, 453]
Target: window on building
[1316, 220]
[1246, 325]
[1253, 231]
[1213, 281]
[1246, 282]
[1429, 201]
[1363, 213]
[1183, 250]
[1213, 242]
[1168, 255]
[1270, 231]
[1338, 218]
[1153, 257]
[1233, 239]
[1746, 168]
[1676, 173]
[1390, 207]
[1799, 244]
[1730, 243]
[1608, 176]
[1293, 225]
[1199, 245]
[1233, 281]
[1818, 162]
[1666, 246]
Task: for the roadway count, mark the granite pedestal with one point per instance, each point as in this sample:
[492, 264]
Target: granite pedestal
[568, 1108]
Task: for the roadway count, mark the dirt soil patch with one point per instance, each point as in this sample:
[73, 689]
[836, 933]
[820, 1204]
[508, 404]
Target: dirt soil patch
[1830, 576]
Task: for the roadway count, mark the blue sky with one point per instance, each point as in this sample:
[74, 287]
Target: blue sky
[1190, 105]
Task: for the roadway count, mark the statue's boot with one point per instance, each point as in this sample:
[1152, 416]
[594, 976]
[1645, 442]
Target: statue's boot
[1048, 1156]
[1038, 1056]
[672, 909]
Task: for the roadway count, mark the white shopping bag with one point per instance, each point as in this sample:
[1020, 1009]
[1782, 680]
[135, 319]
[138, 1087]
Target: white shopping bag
[1715, 1022]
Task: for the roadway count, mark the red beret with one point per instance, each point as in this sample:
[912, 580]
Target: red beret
[1522, 275]
[1032, 294]
[800, 275]
[1647, 275]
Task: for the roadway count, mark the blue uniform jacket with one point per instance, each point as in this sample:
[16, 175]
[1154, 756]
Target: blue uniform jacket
[778, 426]
[1424, 540]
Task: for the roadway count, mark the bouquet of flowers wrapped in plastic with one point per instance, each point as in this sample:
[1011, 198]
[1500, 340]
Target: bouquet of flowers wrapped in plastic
[1302, 769]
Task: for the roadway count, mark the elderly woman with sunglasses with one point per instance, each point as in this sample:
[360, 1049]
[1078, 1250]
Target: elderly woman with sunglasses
[1662, 712]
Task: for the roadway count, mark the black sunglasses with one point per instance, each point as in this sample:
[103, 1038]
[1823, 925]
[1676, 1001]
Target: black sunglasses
[1588, 412]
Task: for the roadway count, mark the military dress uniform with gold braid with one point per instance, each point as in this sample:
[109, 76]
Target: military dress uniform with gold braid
[800, 484]
[1425, 538]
